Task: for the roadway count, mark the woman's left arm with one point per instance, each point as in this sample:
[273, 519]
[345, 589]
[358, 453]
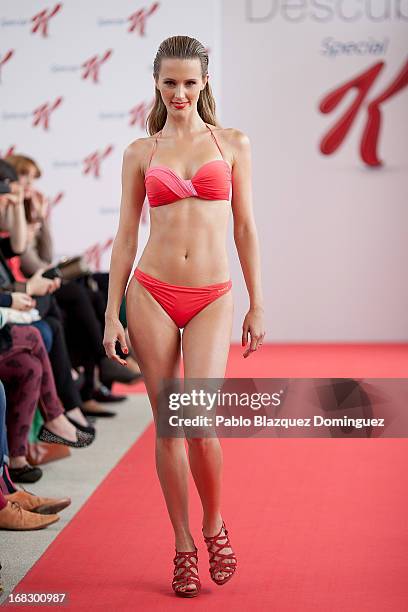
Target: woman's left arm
[246, 241]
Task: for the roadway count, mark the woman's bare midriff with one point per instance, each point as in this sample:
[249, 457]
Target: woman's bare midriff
[187, 243]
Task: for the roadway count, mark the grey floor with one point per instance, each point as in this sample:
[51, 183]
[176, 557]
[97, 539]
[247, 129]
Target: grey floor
[76, 476]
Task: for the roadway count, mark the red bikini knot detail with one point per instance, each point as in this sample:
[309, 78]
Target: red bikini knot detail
[190, 186]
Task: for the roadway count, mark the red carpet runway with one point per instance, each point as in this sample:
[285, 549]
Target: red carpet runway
[314, 361]
[317, 524]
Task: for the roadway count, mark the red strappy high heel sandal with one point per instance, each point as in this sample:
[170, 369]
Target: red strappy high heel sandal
[219, 561]
[187, 562]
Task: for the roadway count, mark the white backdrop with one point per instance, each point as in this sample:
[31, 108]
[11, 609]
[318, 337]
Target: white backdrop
[333, 228]
[93, 62]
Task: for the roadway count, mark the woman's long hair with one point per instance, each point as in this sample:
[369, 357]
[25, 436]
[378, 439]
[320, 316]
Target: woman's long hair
[181, 47]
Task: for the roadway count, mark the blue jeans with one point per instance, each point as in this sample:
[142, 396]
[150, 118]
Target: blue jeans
[4, 451]
[45, 331]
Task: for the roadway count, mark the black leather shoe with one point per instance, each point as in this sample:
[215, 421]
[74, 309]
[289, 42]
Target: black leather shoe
[103, 395]
[27, 473]
[98, 413]
[110, 371]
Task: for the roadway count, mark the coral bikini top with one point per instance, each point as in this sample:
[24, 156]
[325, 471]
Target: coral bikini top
[211, 182]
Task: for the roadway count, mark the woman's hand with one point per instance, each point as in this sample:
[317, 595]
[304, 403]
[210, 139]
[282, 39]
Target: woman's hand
[40, 204]
[32, 231]
[114, 331]
[38, 285]
[22, 301]
[255, 326]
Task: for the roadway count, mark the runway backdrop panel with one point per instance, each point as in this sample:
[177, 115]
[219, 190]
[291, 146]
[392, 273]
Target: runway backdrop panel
[75, 88]
[333, 226]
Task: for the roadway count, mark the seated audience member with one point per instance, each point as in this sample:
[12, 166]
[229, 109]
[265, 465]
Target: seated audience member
[82, 303]
[40, 288]
[24, 510]
[27, 376]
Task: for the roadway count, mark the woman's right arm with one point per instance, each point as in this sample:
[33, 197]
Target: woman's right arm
[125, 245]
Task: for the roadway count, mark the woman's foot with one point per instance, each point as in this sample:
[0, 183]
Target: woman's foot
[17, 462]
[92, 408]
[77, 418]
[77, 415]
[62, 427]
[186, 582]
[222, 558]
[24, 473]
[61, 431]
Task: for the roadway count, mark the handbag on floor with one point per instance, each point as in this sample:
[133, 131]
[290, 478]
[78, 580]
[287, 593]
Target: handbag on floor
[45, 452]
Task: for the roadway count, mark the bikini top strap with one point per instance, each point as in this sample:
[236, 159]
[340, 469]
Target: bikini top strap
[154, 148]
[215, 140]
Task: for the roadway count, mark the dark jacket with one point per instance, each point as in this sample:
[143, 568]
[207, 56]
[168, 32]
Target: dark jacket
[7, 281]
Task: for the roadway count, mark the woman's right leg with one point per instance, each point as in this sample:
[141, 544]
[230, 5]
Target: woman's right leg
[4, 452]
[155, 340]
[29, 349]
[21, 375]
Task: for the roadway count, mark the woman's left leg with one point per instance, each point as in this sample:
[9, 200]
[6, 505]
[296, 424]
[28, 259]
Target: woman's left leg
[205, 344]
[28, 349]
[4, 452]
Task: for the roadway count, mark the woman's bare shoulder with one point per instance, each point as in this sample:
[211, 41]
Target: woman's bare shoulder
[237, 141]
[232, 136]
[137, 152]
[236, 137]
[139, 146]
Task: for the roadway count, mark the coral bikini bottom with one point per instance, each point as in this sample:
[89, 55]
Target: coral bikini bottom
[181, 303]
